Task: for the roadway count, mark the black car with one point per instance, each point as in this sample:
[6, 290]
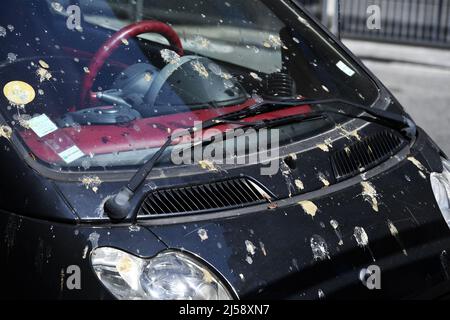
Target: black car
[207, 150]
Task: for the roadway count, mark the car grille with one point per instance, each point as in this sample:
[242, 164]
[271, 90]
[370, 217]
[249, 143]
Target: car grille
[222, 195]
[366, 154]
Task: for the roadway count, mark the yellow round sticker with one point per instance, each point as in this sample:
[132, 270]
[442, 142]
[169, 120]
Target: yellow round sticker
[19, 92]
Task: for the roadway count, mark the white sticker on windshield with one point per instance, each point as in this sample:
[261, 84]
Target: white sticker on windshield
[345, 68]
[42, 125]
[71, 154]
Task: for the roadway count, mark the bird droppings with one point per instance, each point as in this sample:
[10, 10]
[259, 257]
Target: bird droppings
[335, 225]
[93, 239]
[208, 165]
[417, 163]
[272, 42]
[241, 276]
[200, 69]
[263, 248]
[299, 184]
[370, 194]
[255, 76]
[6, 132]
[250, 247]
[309, 207]
[323, 147]
[43, 74]
[287, 175]
[170, 56]
[319, 248]
[362, 239]
[321, 294]
[249, 260]
[91, 182]
[43, 64]
[349, 134]
[326, 145]
[85, 252]
[394, 232]
[323, 179]
[203, 234]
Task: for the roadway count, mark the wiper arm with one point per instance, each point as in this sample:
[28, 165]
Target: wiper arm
[118, 206]
[393, 120]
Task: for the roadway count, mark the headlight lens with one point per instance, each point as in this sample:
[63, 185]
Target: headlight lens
[440, 182]
[170, 275]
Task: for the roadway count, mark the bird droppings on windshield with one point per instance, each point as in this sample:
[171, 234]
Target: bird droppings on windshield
[323, 179]
[309, 207]
[299, 184]
[170, 56]
[2, 32]
[335, 225]
[11, 57]
[370, 194]
[273, 41]
[362, 239]
[91, 182]
[200, 69]
[250, 247]
[5, 132]
[319, 248]
[148, 77]
[202, 234]
[43, 74]
[394, 232]
[208, 165]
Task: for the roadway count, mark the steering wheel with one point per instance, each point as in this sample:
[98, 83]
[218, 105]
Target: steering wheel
[107, 49]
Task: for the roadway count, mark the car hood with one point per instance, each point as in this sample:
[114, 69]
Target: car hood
[389, 220]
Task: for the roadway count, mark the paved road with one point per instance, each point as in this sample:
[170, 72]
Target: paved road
[418, 77]
[424, 92]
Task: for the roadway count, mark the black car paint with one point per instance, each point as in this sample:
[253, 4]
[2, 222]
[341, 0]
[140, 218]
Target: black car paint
[46, 225]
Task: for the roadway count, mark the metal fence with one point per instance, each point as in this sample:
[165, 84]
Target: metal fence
[421, 22]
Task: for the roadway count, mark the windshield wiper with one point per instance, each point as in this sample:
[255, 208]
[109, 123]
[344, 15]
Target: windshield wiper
[396, 121]
[118, 206]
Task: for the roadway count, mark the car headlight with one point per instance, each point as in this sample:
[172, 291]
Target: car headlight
[440, 182]
[171, 275]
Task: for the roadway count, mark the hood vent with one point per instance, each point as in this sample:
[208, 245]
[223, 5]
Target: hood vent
[227, 194]
[366, 154]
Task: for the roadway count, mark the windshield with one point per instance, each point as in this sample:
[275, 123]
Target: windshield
[82, 95]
